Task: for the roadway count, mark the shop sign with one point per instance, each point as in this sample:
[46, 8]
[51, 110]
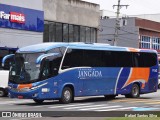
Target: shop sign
[13, 17]
[20, 18]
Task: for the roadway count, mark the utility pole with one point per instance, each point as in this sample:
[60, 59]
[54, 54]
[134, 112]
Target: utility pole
[117, 21]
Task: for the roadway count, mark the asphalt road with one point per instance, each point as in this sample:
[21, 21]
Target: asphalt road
[82, 107]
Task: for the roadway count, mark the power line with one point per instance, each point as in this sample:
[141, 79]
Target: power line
[127, 32]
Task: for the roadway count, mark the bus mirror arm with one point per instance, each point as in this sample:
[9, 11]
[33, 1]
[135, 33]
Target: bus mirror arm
[5, 58]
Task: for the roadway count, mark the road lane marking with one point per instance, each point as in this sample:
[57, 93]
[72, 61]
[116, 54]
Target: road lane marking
[88, 106]
[100, 107]
[117, 109]
[14, 102]
[61, 106]
[121, 100]
[153, 102]
[139, 101]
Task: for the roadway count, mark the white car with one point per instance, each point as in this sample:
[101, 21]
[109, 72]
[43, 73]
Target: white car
[3, 82]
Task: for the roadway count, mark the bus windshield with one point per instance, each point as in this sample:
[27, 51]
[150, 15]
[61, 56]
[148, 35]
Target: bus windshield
[24, 70]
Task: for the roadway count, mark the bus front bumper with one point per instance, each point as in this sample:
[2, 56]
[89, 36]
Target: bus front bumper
[32, 94]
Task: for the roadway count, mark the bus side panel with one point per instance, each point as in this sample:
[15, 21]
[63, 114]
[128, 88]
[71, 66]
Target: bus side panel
[90, 81]
[103, 84]
[124, 75]
[145, 77]
[69, 77]
[152, 84]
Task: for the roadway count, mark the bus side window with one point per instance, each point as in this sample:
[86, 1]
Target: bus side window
[46, 69]
[73, 58]
[145, 59]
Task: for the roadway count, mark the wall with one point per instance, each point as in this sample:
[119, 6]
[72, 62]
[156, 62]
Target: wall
[32, 4]
[128, 36]
[72, 11]
[20, 38]
[148, 24]
[151, 17]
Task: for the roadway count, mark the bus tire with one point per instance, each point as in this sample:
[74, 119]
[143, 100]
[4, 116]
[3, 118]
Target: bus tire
[38, 101]
[2, 92]
[67, 96]
[135, 92]
[159, 86]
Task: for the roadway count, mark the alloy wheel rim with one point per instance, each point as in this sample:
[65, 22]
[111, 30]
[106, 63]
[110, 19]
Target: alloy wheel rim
[67, 95]
[135, 91]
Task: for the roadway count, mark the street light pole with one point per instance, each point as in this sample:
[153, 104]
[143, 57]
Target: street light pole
[117, 26]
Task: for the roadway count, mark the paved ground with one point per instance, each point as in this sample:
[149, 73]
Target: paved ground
[86, 106]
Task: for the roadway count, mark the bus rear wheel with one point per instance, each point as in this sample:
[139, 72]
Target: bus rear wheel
[135, 92]
[38, 101]
[67, 95]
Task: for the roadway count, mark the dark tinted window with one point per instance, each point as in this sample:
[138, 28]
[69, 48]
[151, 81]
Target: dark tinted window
[123, 59]
[93, 58]
[145, 59]
[50, 66]
[73, 58]
[98, 58]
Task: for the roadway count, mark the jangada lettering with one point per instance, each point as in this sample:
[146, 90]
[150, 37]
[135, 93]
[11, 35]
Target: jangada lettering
[13, 17]
[89, 73]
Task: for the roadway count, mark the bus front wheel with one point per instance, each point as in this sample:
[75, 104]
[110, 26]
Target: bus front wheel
[38, 101]
[135, 92]
[67, 95]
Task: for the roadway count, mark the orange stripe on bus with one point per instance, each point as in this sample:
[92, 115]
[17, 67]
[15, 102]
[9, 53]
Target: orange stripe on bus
[138, 74]
[133, 50]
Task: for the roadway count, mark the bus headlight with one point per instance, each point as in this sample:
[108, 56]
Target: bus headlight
[45, 89]
[36, 87]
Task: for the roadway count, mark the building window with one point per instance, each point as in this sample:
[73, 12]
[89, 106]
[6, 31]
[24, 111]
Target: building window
[76, 33]
[155, 43]
[150, 42]
[82, 34]
[52, 32]
[65, 32]
[93, 35]
[60, 32]
[46, 33]
[145, 42]
[88, 35]
[71, 35]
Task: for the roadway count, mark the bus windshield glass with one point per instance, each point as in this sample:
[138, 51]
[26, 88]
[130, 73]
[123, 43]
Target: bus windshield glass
[24, 70]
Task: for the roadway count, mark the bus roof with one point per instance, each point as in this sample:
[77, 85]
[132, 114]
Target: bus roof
[43, 47]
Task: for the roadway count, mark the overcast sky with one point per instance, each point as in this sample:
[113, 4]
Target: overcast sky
[136, 7]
